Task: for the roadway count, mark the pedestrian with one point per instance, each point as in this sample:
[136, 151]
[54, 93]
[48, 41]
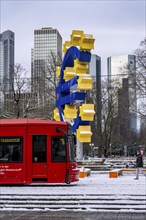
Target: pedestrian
[139, 163]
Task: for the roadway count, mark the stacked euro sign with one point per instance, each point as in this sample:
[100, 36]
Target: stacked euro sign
[74, 81]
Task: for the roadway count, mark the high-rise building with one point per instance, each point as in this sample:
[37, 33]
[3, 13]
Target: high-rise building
[47, 41]
[123, 111]
[95, 71]
[143, 128]
[7, 45]
[119, 68]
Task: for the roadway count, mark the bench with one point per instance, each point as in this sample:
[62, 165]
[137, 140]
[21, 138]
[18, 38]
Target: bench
[115, 173]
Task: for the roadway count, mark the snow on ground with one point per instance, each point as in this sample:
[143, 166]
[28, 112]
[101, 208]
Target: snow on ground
[96, 183]
[95, 192]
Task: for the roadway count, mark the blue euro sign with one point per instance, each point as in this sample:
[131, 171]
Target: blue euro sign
[66, 91]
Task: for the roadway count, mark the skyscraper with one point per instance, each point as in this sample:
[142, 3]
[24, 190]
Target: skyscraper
[143, 129]
[119, 68]
[47, 41]
[7, 45]
[95, 71]
[123, 111]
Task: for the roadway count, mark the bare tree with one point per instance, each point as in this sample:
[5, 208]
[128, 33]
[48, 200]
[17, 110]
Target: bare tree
[53, 62]
[16, 101]
[137, 78]
[110, 129]
[141, 88]
[46, 86]
[115, 118]
[141, 67]
[109, 116]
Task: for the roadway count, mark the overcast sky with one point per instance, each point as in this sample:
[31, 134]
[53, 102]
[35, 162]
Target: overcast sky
[117, 26]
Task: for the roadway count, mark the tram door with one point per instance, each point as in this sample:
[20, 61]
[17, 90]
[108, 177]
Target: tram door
[39, 158]
[58, 164]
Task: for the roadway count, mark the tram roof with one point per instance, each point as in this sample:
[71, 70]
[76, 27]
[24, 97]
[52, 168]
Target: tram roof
[26, 121]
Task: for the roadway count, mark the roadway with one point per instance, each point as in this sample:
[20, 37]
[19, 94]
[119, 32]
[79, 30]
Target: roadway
[70, 215]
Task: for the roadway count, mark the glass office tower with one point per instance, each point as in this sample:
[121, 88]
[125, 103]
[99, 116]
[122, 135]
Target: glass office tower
[119, 68]
[7, 45]
[47, 41]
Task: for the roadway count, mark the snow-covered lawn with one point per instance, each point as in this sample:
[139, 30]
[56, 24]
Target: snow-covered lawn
[96, 183]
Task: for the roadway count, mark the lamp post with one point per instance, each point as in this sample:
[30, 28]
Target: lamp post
[92, 149]
[110, 149]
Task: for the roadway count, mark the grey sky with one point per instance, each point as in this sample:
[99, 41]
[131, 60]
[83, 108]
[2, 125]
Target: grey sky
[117, 26]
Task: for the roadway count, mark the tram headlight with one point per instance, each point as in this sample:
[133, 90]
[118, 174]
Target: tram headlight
[72, 166]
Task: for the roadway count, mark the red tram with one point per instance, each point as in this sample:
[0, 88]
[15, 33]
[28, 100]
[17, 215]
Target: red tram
[36, 151]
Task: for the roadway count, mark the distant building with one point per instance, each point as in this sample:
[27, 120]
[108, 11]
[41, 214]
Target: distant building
[118, 77]
[46, 41]
[7, 46]
[123, 111]
[117, 64]
[95, 71]
[143, 126]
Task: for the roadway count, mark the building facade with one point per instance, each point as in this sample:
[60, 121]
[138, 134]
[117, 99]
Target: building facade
[119, 70]
[47, 42]
[123, 111]
[143, 130]
[95, 71]
[7, 48]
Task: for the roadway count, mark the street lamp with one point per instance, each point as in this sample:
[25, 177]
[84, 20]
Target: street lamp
[110, 149]
[92, 149]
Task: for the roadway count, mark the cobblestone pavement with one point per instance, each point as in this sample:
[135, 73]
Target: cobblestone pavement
[69, 215]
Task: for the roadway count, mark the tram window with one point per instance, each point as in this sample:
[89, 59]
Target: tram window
[71, 149]
[58, 149]
[11, 149]
[39, 148]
